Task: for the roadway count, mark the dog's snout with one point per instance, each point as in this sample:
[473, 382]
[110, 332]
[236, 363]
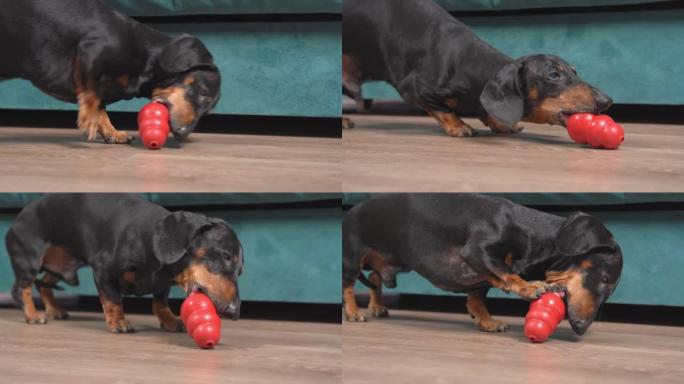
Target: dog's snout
[233, 309]
[603, 101]
[580, 326]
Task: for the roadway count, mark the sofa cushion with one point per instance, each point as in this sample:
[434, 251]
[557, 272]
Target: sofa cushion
[491, 5]
[213, 7]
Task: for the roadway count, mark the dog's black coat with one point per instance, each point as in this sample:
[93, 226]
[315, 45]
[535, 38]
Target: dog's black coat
[45, 41]
[434, 60]
[456, 240]
[121, 233]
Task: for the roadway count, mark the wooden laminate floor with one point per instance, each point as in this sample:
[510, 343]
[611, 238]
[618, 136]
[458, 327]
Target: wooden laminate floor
[80, 350]
[60, 160]
[423, 347]
[413, 154]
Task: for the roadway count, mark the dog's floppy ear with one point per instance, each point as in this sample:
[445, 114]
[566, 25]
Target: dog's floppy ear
[502, 96]
[184, 53]
[173, 234]
[582, 233]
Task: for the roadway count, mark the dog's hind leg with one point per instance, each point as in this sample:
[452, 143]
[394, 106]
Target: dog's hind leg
[25, 259]
[375, 306]
[52, 309]
[352, 81]
[477, 309]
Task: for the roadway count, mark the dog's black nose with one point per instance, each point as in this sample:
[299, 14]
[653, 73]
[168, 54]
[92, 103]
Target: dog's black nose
[233, 310]
[603, 101]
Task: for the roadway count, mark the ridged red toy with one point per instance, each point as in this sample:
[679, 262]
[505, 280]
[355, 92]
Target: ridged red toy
[599, 131]
[153, 125]
[201, 321]
[544, 316]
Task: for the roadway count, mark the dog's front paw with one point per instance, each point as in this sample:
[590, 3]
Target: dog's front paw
[120, 326]
[88, 129]
[517, 128]
[36, 319]
[172, 325]
[355, 317]
[534, 289]
[56, 314]
[464, 130]
[347, 123]
[491, 325]
[378, 311]
[117, 137]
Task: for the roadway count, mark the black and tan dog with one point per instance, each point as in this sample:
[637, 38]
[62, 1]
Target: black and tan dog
[81, 51]
[438, 64]
[133, 246]
[470, 243]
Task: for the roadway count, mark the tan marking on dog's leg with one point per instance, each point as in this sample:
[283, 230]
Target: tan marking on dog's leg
[114, 317]
[452, 124]
[109, 133]
[375, 306]
[477, 309]
[31, 315]
[52, 309]
[167, 320]
[351, 310]
[528, 290]
[88, 114]
[347, 123]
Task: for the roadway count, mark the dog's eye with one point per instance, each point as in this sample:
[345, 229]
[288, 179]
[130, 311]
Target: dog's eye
[553, 76]
[605, 279]
[204, 93]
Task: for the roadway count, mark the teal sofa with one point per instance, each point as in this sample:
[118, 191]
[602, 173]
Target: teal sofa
[288, 68]
[634, 56]
[292, 242]
[648, 228]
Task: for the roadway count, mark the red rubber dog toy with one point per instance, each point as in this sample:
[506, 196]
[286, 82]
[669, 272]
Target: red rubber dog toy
[153, 124]
[201, 321]
[544, 316]
[599, 131]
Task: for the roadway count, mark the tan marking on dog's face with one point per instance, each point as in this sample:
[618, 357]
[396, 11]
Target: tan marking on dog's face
[574, 99]
[508, 260]
[533, 94]
[581, 302]
[217, 286]
[200, 252]
[180, 109]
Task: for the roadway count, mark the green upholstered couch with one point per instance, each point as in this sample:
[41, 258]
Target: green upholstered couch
[268, 68]
[292, 242]
[651, 241]
[632, 55]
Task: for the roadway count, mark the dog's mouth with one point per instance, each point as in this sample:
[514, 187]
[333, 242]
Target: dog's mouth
[563, 116]
[231, 310]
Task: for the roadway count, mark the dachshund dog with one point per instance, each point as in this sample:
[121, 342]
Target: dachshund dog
[438, 64]
[134, 247]
[470, 243]
[81, 51]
